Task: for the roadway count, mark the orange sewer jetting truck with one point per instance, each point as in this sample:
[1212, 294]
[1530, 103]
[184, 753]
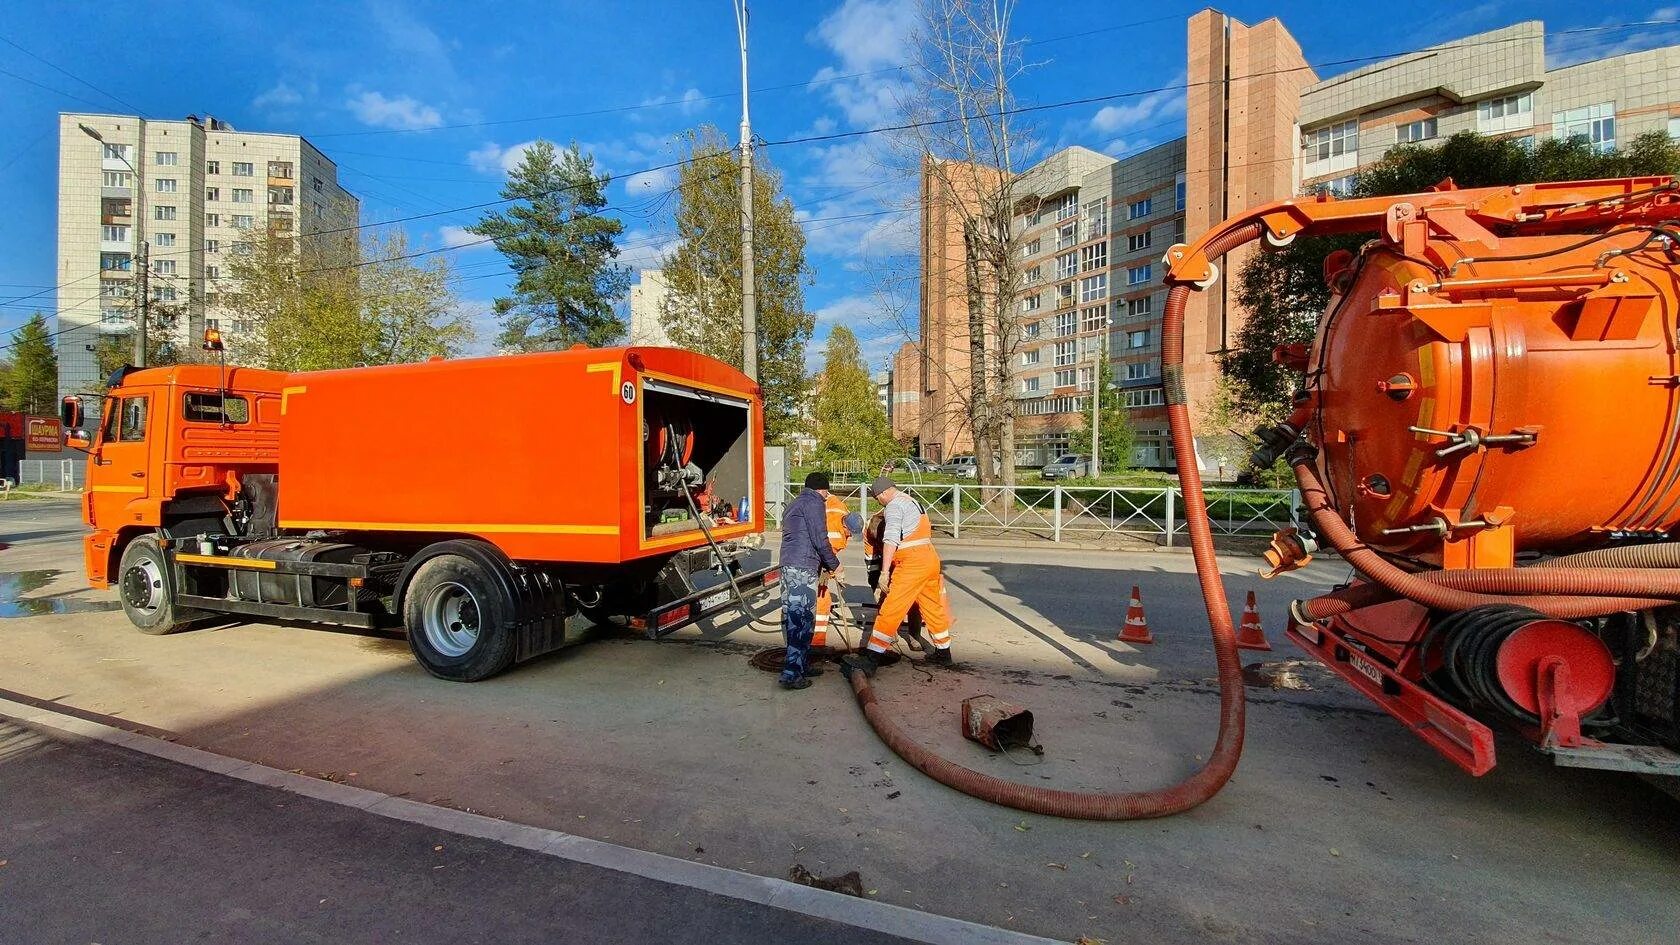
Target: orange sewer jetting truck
[496, 507]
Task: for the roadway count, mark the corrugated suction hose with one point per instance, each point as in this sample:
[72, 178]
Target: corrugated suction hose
[1205, 781]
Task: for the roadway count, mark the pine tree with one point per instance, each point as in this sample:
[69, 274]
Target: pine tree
[561, 249]
[850, 423]
[1115, 436]
[32, 381]
[703, 310]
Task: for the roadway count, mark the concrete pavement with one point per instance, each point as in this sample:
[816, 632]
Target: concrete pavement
[1338, 824]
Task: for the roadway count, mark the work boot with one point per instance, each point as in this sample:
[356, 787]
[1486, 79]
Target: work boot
[864, 661]
[800, 683]
[940, 658]
[813, 670]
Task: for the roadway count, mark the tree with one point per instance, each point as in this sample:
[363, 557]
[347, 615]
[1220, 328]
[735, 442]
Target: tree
[1284, 293]
[329, 301]
[561, 250]
[849, 419]
[702, 311]
[32, 381]
[1114, 440]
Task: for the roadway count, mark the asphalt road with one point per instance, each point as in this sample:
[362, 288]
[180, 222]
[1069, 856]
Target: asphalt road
[99, 844]
[1338, 826]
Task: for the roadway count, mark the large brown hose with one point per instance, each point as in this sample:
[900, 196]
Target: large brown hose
[1360, 596]
[1205, 781]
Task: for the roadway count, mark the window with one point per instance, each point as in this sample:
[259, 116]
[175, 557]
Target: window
[1148, 397]
[1066, 206]
[116, 179]
[1032, 248]
[1030, 303]
[114, 234]
[164, 294]
[241, 325]
[1138, 241]
[163, 267]
[242, 169]
[1138, 275]
[163, 239]
[1067, 377]
[1674, 128]
[1594, 124]
[1331, 148]
[280, 169]
[212, 167]
[165, 185]
[243, 195]
[212, 272]
[1096, 218]
[281, 196]
[1067, 352]
[1412, 132]
[315, 182]
[1139, 307]
[1094, 318]
[1140, 370]
[115, 262]
[163, 213]
[1029, 358]
[215, 407]
[215, 323]
[1066, 324]
[1030, 329]
[1029, 385]
[1505, 114]
[1137, 339]
[1033, 275]
[116, 152]
[165, 158]
[1066, 235]
[212, 219]
[132, 420]
[1339, 186]
[1094, 257]
[1064, 295]
[1092, 288]
[212, 193]
[242, 220]
[1178, 191]
[111, 289]
[1141, 208]
[1066, 265]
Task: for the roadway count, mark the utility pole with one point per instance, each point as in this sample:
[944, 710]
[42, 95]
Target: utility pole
[1097, 355]
[749, 300]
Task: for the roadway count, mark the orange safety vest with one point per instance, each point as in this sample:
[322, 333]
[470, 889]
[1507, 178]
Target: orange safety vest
[920, 537]
[837, 532]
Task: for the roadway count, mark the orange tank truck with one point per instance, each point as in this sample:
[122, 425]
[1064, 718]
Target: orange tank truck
[1487, 427]
[495, 507]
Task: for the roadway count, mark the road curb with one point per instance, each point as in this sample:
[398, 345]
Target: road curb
[749, 887]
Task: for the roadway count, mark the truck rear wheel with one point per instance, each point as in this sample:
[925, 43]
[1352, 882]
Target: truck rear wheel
[147, 588]
[460, 622]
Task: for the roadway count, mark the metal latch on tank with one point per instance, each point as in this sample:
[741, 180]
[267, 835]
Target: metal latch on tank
[1471, 439]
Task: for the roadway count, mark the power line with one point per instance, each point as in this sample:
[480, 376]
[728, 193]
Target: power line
[77, 78]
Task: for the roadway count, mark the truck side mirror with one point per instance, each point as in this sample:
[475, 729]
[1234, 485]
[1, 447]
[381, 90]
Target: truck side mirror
[70, 412]
[78, 439]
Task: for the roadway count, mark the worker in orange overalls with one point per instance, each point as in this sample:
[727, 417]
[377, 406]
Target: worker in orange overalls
[909, 575]
[843, 523]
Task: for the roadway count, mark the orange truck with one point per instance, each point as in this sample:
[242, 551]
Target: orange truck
[497, 508]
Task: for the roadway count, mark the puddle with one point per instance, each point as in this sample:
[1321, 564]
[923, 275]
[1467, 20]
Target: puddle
[15, 584]
[1285, 674]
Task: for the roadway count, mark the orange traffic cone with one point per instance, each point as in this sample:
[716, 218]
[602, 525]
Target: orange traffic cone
[1136, 629]
[1251, 635]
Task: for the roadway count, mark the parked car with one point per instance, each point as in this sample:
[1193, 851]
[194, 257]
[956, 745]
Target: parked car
[1070, 466]
[914, 464]
[963, 467]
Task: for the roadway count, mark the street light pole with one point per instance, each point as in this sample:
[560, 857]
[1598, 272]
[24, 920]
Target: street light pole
[143, 313]
[749, 300]
[1097, 355]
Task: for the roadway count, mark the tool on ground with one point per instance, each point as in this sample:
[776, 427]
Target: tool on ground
[1136, 628]
[1251, 634]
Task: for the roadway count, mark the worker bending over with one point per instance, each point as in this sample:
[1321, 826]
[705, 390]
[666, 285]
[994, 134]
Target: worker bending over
[909, 576]
[872, 566]
[843, 523]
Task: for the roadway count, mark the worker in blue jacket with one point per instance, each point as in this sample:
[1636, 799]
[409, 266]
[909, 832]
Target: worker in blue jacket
[805, 552]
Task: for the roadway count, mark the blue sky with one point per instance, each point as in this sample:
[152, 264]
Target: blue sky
[425, 104]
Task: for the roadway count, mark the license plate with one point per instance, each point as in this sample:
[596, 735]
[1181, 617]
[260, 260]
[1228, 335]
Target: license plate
[1366, 668]
[713, 600]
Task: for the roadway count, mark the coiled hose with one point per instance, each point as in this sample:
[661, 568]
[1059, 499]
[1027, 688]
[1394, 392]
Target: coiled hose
[1205, 781]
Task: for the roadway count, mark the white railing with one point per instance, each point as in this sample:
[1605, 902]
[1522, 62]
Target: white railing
[64, 474]
[1056, 512]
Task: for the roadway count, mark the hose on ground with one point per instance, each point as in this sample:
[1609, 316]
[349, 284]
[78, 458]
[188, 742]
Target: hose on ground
[1206, 780]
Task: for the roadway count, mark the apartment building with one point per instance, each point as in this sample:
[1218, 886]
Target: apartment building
[1261, 126]
[1494, 83]
[188, 195]
[647, 300]
[905, 411]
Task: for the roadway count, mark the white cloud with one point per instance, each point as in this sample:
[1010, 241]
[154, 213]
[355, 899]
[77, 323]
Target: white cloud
[456, 236]
[867, 36]
[1570, 49]
[492, 158]
[645, 249]
[690, 102]
[851, 311]
[402, 113]
[1156, 108]
[281, 96]
[651, 182]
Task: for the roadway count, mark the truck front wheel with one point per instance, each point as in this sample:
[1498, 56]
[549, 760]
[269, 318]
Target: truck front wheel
[459, 620]
[147, 589]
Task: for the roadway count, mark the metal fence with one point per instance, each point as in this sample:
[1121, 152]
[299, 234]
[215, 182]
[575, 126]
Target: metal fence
[65, 474]
[1078, 513]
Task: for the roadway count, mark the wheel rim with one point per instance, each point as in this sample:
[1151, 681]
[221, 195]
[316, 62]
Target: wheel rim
[142, 586]
[450, 619]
